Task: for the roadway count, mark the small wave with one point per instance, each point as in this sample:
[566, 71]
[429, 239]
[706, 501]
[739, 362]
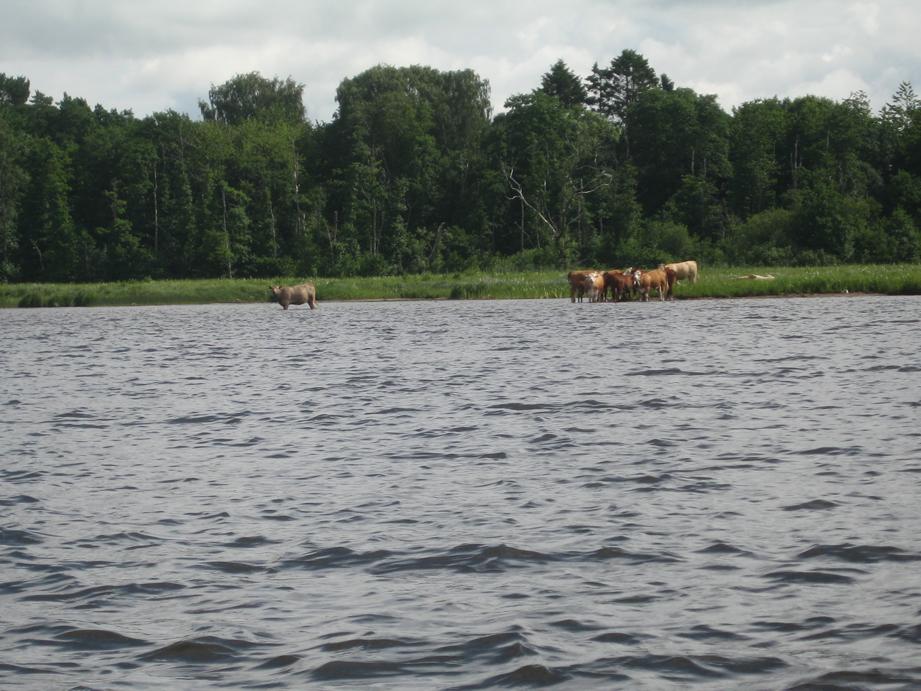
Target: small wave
[21, 669]
[848, 679]
[722, 548]
[402, 412]
[496, 648]
[251, 541]
[97, 639]
[92, 594]
[790, 576]
[618, 637]
[335, 557]
[365, 644]
[233, 567]
[74, 415]
[860, 554]
[633, 557]
[574, 625]
[18, 538]
[702, 632]
[205, 419]
[910, 633]
[22, 475]
[518, 407]
[667, 372]
[469, 558]
[348, 669]
[852, 632]
[279, 661]
[528, 675]
[711, 666]
[198, 650]
[831, 451]
[19, 499]
[814, 505]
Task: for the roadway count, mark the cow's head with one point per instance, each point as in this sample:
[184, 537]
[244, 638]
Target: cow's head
[636, 277]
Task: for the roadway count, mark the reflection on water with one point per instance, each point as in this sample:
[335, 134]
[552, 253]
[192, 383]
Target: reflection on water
[462, 495]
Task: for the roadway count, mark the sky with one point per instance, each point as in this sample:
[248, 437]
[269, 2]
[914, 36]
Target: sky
[156, 55]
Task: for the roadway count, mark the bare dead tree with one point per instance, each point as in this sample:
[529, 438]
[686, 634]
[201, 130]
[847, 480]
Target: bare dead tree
[518, 193]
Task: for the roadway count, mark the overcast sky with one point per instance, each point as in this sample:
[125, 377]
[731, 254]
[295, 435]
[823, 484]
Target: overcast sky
[158, 54]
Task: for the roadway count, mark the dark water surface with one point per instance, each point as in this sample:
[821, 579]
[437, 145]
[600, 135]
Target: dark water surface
[419, 495]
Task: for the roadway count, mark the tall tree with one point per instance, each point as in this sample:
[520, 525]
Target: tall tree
[252, 96]
[13, 179]
[614, 88]
[14, 91]
[756, 135]
[563, 83]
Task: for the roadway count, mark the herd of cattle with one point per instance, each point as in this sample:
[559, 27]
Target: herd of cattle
[597, 285]
[619, 283]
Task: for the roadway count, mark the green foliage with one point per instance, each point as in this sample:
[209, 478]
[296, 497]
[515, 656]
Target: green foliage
[414, 175]
[253, 97]
[563, 84]
[613, 89]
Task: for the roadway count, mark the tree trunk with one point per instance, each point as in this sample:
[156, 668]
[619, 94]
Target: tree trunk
[272, 226]
[156, 210]
[226, 233]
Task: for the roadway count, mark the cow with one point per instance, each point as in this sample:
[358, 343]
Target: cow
[593, 286]
[684, 270]
[295, 295]
[619, 282]
[656, 279]
[577, 283]
[671, 278]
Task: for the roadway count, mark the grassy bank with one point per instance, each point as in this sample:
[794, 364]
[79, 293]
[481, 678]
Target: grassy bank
[891, 279]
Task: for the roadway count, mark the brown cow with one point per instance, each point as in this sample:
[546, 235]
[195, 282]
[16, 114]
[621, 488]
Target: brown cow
[577, 283]
[593, 284]
[656, 279]
[671, 278]
[619, 282]
[686, 269]
[295, 295]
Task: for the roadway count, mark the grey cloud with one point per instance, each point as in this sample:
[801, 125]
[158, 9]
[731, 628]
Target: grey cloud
[151, 56]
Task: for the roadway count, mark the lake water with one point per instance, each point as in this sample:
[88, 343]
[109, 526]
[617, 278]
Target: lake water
[420, 495]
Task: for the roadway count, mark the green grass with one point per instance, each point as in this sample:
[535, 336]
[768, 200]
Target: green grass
[892, 279]
[888, 279]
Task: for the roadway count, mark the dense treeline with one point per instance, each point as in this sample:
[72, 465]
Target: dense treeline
[415, 174]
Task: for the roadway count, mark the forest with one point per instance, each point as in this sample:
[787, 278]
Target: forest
[415, 173]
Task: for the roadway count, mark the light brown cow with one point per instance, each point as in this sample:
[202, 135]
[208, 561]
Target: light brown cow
[295, 295]
[656, 279]
[593, 285]
[685, 270]
[577, 283]
[620, 283]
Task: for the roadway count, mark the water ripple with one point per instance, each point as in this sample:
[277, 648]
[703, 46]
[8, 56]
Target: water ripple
[450, 495]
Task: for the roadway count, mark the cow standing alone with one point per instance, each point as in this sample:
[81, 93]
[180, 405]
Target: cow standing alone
[295, 295]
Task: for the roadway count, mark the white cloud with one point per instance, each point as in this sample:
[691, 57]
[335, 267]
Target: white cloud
[153, 56]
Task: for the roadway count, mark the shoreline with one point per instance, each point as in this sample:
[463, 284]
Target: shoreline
[691, 298]
[715, 283]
